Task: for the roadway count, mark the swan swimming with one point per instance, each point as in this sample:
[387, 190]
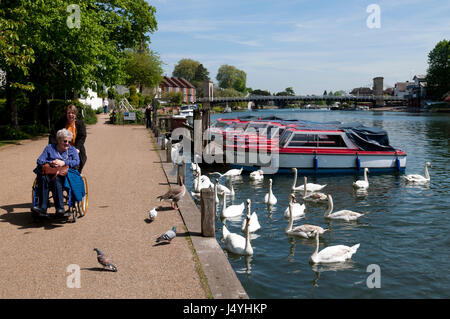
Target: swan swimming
[231, 172]
[419, 179]
[237, 244]
[270, 198]
[257, 175]
[305, 230]
[297, 209]
[316, 197]
[254, 222]
[345, 214]
[362, 184]
[332, 254]
[231, 211]
[310, 187]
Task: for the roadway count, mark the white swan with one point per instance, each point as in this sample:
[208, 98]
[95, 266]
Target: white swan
[419, 179]
[316, 197]
[231, 211]
[332, 254]
[305, 230]
[254, 222]
[297, 209]
[310, 187]
[257, 175]
[231, 172]
[270, 198]
[195, 167]
[237, 244]
[345, 214]
[362, 184]
[200, 182]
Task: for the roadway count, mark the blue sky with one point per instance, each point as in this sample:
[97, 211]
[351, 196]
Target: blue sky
[311, 46]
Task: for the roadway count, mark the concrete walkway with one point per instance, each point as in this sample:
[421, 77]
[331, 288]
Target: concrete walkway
[124, 178]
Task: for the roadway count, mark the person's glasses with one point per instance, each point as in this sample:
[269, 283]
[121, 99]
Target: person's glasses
[66, 141]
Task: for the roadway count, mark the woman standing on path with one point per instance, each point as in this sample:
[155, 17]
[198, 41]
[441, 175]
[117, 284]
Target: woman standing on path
[78, 129]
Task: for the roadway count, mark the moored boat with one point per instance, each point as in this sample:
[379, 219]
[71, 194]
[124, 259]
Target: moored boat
[313, 148]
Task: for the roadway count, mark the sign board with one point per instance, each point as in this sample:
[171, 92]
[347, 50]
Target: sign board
[130, 116]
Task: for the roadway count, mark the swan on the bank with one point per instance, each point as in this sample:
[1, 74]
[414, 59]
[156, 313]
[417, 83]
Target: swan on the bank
[297, 209]
[419, 179]
[254, 222]
[332, 254]
[310, 187]
[362, 184]
[345, 214]
[270, 198]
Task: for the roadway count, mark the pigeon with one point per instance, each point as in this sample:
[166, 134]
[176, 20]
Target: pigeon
[152, 214]
[168, 235]
[105, 261]
[174, 194]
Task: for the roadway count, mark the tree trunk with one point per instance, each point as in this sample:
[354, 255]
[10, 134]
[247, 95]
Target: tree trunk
[11, 103]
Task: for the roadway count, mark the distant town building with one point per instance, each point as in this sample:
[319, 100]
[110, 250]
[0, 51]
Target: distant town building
[401, 89]
[361, 91]
[173, 84]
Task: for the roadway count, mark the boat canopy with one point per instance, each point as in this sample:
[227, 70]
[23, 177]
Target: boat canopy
[367, 138]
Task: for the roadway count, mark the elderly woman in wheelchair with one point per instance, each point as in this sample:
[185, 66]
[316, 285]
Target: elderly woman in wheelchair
[52, 167]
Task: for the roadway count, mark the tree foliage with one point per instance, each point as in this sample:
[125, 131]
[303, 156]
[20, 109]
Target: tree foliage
[43, 49]
[186, 68]
[143, 69]
[438, 74]
[229, 77]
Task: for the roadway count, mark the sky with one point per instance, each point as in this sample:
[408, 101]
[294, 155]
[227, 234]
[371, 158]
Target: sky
[309, 45]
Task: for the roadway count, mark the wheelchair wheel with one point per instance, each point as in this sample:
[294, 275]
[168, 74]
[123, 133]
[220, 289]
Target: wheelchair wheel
[83, 205]
[34, 196]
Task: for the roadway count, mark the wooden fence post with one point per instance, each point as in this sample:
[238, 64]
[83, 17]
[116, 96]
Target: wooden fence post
[169, 152]
[208, 212]
[181, 172]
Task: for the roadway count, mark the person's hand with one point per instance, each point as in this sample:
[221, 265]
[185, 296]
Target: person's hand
[58, 163]
[78, 150]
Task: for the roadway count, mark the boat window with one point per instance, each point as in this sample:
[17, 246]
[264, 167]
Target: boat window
[330, 141]
[271, 131]
[255, 127]
[237, 125]
[285, 137]
[221, 124]
[317, 141]
[305, 140]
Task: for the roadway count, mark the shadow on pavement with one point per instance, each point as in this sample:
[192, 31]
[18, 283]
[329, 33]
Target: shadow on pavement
[25, 219]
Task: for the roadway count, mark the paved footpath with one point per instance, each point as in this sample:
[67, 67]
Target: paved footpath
[124, 178]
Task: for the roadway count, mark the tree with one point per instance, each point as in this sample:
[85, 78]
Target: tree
[289, 91]
[325, 92]
[69, 57]
[186, 68]
[201, 74]
[173, 98]
[438, 73]
[261, 92]
[143, 69]
[229, 77]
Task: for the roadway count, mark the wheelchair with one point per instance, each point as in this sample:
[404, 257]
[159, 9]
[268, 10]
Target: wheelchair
[75, 209]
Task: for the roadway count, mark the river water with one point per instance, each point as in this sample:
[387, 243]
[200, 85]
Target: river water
[404, 241]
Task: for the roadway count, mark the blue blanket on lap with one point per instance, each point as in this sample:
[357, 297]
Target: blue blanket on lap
[75, 183]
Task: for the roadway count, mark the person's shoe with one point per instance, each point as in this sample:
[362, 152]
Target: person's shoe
[39, 211]
[60, 211]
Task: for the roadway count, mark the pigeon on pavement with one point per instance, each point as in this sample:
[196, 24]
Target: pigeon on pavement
[105, 261]
[168, 235]
[152, 214]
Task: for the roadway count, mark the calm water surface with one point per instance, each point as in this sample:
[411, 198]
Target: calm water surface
[405, 231]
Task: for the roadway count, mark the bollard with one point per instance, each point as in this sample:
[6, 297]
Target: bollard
[169, 152]
[181, 171]
[163, 142]
[208, 212]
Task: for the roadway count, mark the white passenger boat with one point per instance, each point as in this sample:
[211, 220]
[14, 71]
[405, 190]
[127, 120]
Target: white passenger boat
[311, 147]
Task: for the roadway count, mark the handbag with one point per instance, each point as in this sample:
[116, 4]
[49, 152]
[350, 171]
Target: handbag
[47, 169]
